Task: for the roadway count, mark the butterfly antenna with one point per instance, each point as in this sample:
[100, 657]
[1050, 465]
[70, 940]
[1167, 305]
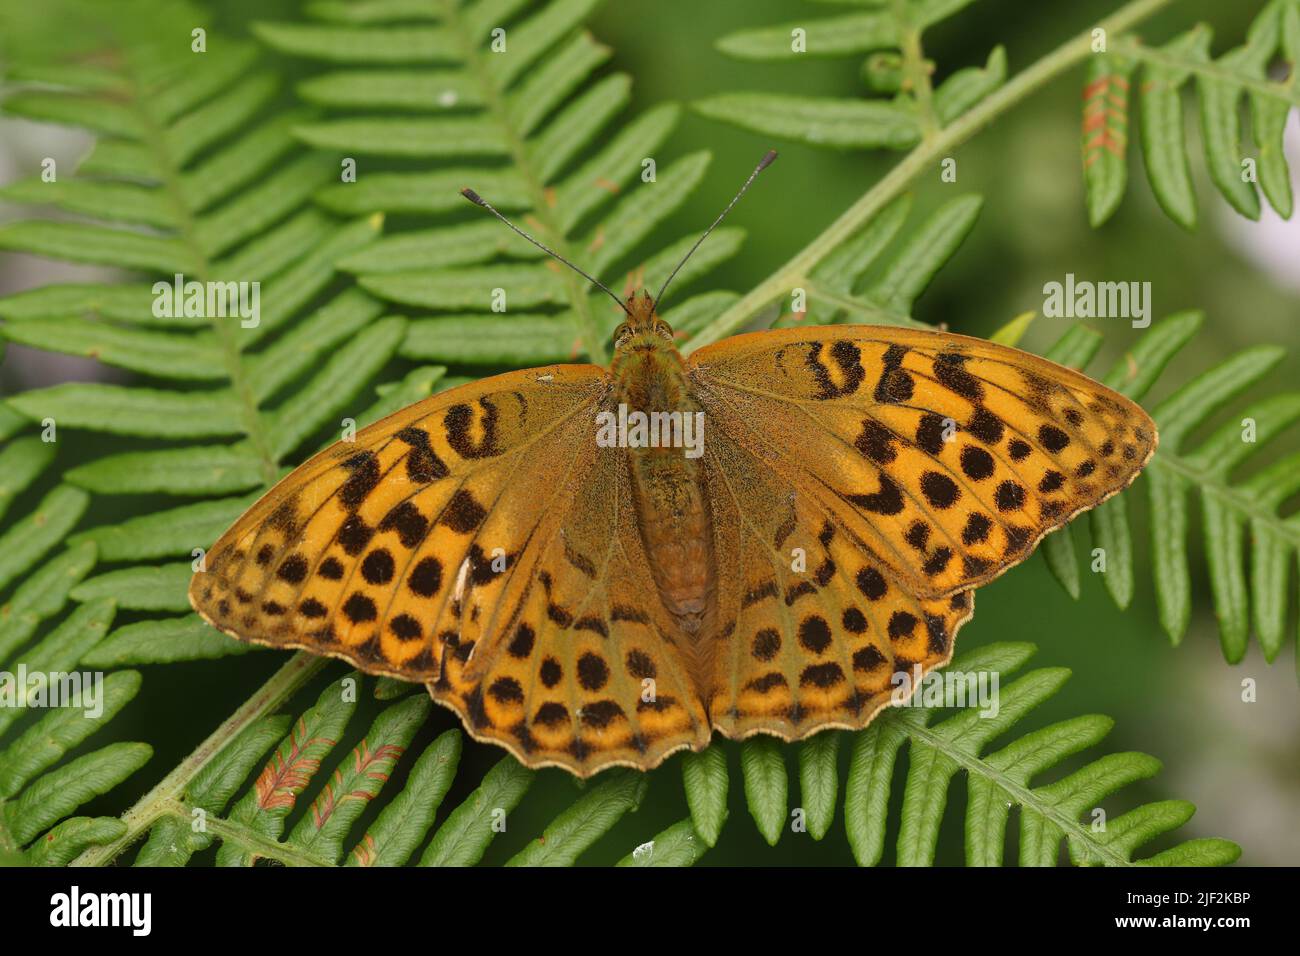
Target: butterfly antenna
[765, 162]
[478, 200]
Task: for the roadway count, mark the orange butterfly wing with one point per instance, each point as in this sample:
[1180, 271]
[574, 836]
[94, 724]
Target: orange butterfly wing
[948, 457]
[904, 468]
[476, 542]
[813, 631]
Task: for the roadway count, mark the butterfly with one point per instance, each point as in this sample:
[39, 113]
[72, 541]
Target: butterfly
[602, 566]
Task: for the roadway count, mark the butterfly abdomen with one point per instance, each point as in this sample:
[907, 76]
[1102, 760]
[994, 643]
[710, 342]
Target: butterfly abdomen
[673, 516]
[667, 479]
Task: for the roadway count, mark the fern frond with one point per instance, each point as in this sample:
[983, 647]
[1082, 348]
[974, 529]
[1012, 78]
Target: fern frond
[940, 747]
[679, 845]
[904, 107]
[762, 764]
[407, 818]
[856, 281]
[902, 110]
[537, 106]
[303, 805]
[705, 780]
[183, 152]
[1234, 510]
[1220, 85]
[42, 595]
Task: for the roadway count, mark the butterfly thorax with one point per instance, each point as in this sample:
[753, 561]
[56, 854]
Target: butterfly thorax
[667, 478]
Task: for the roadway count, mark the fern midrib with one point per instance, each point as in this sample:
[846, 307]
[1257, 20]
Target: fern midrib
[1213, 484]
[1023, 795]
[1209, 69]
[246, 837]
[299, 669]
[914, 71]
[154, 137]
[495, 101]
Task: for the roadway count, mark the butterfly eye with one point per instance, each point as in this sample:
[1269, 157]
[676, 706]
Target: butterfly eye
[664, 329]
[620, 334]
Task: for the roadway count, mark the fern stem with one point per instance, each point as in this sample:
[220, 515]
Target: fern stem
[245, 837]
[795, 272]
[917, 77]
[162, 798]
[1132, 47]
[494, 101]
[1022, 794]
[170, 183]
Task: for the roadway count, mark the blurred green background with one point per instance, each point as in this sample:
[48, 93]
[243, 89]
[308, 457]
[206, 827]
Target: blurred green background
[1239, 763]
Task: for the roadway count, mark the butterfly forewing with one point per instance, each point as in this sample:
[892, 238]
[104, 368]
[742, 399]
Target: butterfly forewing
[947, 457]
[356, 552]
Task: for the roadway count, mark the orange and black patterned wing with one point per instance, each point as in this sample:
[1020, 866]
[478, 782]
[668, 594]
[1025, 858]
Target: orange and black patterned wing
[566, 657]
[946, 457]
[813, 631]
[355, 553]
[465, 542]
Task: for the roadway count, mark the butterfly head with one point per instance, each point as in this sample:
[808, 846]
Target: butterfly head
[642, 325]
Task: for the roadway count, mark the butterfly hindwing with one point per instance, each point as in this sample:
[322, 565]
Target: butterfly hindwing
[948, 457]
[580, 672]
[815, 632]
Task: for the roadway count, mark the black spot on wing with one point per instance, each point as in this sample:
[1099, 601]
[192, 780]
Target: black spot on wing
[815, 633]
[876, 442]
[422, 464]
[894, 385]
[761, 592]
[407, 521]
[463, 513]
[378, 566]
[292, 569]
[766, 644]
[458, 421]
[406, 628]
[1053, 438]
[847, 359]
[426, 578]
[593, 672]
[940, 490]
[354, 534]
[872, 584]
[930, 431]
[950, 373]
[364, 468]
[887, 501]
[976, 463]
[986, 426]
[521, 645]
